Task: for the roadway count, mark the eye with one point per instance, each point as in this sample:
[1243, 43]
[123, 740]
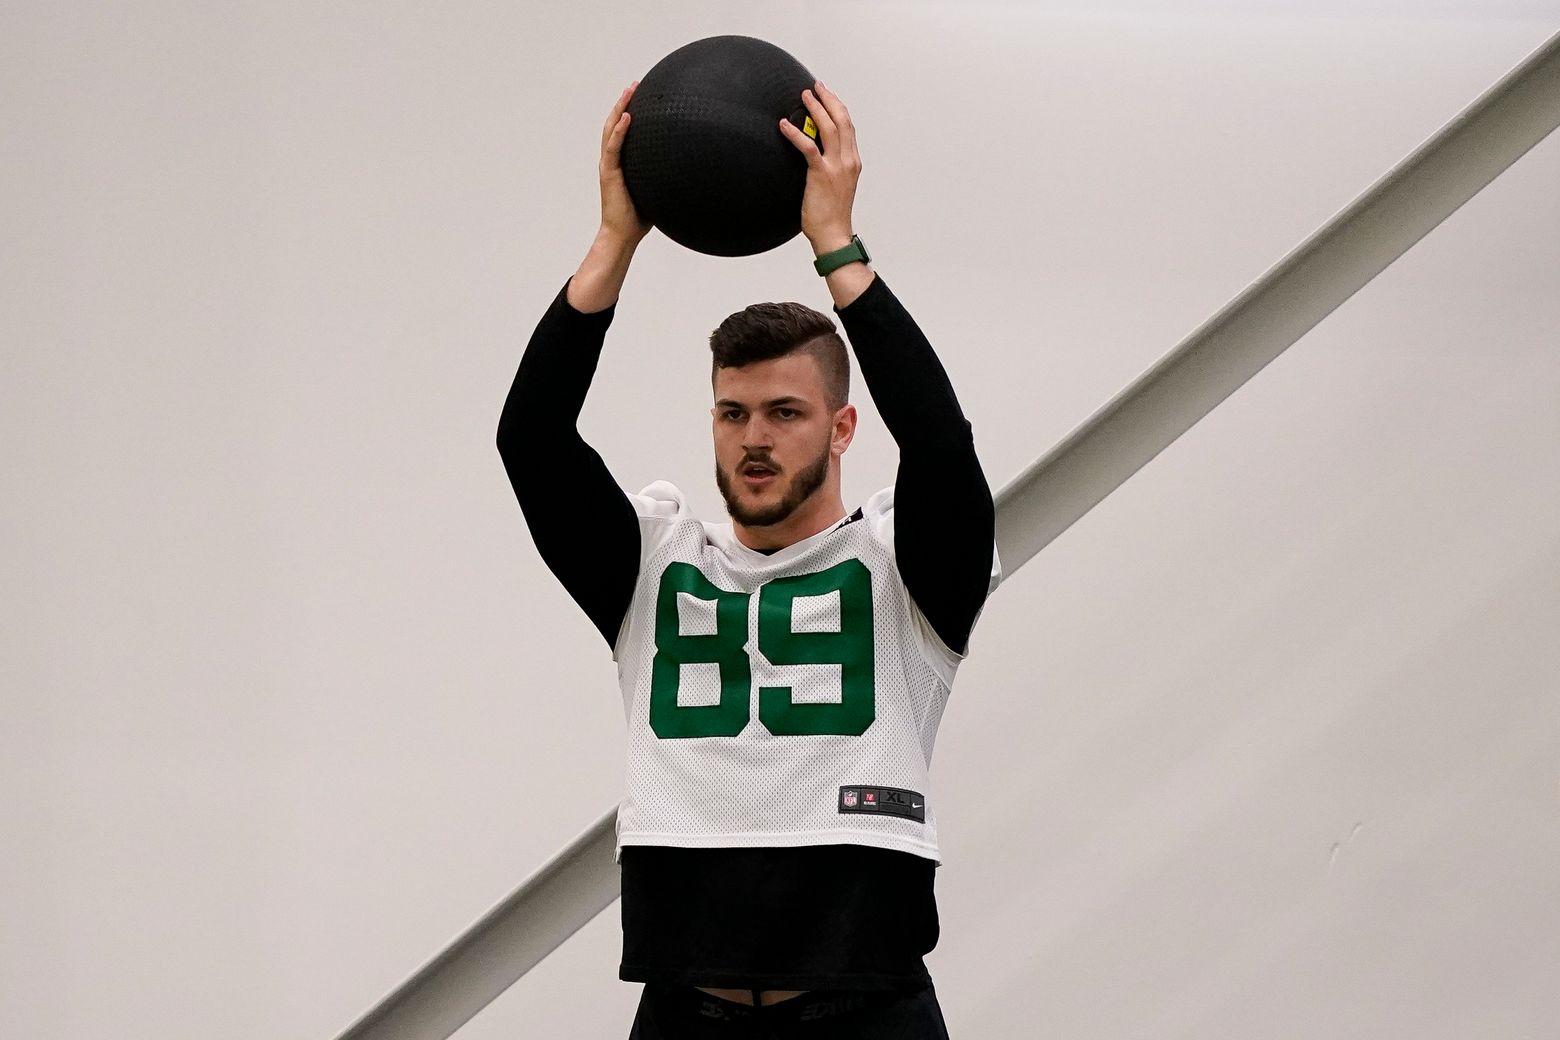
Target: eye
[787, 413]
[731, 414]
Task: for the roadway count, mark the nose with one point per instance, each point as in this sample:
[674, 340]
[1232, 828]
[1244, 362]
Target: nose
[758, 433]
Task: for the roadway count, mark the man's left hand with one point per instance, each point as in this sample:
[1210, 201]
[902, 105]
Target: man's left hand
[831, 173]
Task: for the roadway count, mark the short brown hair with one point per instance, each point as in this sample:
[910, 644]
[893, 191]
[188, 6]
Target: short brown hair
[762, 331]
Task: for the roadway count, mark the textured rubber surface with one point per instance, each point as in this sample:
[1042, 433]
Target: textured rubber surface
[703, 157]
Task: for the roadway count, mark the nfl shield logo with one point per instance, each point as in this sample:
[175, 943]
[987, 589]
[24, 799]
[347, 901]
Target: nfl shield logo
[849, 799]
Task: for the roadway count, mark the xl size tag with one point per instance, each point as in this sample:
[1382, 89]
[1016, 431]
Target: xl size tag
[883, 801]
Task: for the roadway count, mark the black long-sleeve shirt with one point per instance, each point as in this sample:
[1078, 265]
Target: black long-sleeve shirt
[814, 917]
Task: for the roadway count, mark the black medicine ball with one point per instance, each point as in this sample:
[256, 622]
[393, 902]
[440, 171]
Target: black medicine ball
[704, 158]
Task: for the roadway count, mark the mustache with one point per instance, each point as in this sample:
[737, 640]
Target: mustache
[759, 458]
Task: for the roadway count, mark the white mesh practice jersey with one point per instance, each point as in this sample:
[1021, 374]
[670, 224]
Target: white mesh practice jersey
[780, 699]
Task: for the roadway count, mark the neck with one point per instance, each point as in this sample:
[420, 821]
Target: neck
[821, 511]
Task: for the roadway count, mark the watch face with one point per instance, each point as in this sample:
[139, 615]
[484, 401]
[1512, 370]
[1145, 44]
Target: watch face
[861, 246]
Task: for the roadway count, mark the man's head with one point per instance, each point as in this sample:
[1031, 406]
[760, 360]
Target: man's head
[782, 418]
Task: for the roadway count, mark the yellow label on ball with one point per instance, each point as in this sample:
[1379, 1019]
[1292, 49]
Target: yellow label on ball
[810, 128]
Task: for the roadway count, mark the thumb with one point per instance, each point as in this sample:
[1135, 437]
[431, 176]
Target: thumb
[803, 143]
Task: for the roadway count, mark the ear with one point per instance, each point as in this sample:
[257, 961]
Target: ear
[844, 429]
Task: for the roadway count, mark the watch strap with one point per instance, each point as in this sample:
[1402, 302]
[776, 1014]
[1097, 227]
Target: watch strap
[846, 254]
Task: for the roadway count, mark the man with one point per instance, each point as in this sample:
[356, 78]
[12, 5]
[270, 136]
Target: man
[783, 675]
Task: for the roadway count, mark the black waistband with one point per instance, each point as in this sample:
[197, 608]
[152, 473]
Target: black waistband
[689, 1001]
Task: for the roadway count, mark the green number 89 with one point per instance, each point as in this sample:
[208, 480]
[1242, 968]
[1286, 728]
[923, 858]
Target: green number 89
[851, 648]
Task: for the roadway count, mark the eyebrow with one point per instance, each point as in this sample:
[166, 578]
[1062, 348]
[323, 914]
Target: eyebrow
[777, 402]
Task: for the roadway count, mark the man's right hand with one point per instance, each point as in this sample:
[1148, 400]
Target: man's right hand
[595, 286]
[619, 218]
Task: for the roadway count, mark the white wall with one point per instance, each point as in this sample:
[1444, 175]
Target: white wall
[1264, 746]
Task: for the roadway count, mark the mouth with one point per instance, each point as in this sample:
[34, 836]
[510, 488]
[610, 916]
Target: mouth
[757, 475]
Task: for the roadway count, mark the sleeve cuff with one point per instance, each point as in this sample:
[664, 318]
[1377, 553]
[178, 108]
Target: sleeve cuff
[598, 320]
[875, 290]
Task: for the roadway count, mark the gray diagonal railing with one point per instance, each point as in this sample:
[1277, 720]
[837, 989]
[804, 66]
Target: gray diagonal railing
[1218, 357]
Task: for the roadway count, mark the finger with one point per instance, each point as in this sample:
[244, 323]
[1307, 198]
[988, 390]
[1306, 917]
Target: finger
[611, 150]
[803, 143]
[820, 115]
[832, 103]
[618, 108]
[840, 114]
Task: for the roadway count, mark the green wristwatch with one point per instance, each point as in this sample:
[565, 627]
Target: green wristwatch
[830, 261]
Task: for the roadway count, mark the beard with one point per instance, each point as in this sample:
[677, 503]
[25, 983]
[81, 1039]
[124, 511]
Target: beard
[807, 480]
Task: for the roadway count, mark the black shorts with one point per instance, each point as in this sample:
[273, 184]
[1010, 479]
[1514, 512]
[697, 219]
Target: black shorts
[686, 1013]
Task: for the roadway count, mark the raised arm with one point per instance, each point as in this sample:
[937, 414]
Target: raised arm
[944, 520]
[582, 523]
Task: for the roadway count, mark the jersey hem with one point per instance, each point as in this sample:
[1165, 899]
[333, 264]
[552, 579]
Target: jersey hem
[792, 839]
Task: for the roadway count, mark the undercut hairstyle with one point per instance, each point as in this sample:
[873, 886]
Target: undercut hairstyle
[762, 331]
